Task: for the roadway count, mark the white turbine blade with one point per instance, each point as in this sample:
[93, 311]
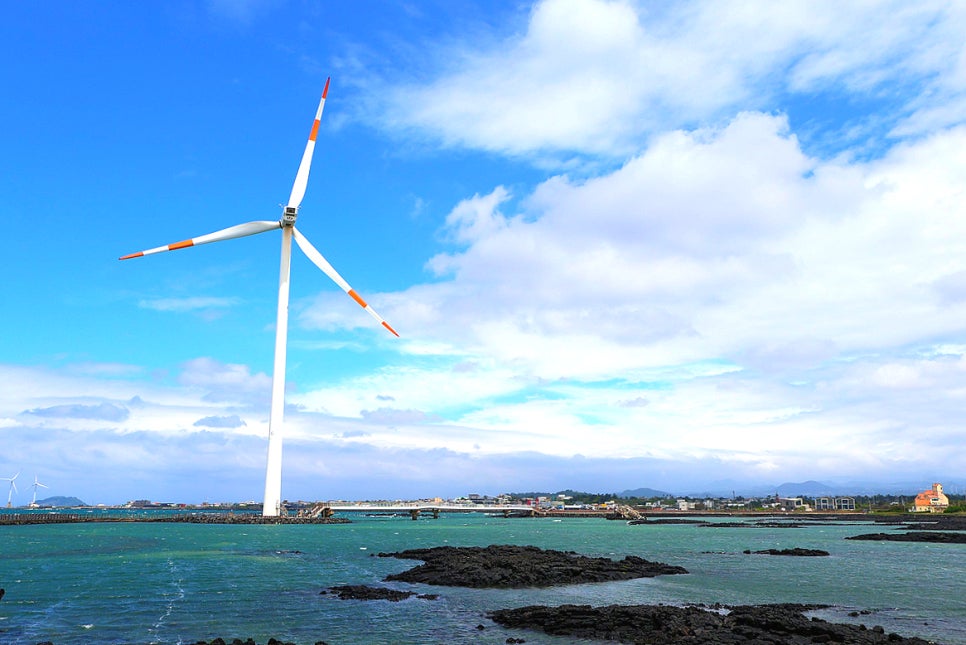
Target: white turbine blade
[302, 176]
[230, 233]
[313, 254]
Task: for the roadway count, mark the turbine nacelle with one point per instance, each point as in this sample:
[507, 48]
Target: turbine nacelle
[289, 214]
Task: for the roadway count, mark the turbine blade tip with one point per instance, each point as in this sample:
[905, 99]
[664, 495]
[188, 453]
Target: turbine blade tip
[389, 327]
[131, 255]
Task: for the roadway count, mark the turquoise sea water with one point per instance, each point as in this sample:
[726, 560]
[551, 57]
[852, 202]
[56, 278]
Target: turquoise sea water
[178, 583]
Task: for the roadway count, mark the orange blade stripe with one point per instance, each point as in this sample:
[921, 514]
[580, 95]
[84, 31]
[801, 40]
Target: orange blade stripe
[386, 325]
[315, 130]
[181, 245]
[139, 254]
[355, 296]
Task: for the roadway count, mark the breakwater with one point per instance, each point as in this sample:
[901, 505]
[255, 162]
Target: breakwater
[190, 518]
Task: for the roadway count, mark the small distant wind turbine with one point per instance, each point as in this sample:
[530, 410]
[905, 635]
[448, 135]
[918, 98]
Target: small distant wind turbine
[273, 473]
[13, 488]
[35, 485]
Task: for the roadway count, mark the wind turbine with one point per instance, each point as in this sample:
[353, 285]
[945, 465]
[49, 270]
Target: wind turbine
[13, 488]
[35, 485]
[273, 472]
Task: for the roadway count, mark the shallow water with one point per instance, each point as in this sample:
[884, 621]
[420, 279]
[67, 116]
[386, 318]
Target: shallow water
[178, 583]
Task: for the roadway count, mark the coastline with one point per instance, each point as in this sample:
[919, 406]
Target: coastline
[921, 521]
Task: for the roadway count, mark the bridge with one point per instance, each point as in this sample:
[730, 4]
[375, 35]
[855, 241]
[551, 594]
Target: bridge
[416, 509]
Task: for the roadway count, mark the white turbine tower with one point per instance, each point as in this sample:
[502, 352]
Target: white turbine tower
[273, 474]
[13, 488]
[35, 485]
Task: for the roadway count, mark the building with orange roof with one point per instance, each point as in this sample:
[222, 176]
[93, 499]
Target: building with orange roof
[931, 501]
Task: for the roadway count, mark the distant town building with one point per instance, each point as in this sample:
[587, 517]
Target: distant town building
[931, 501]
[834, 503]
[793, 504]
[845, 503]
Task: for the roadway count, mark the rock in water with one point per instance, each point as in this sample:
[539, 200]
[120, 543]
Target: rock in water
[666, 625]
[363, 592]
[517, 567]
[798, 551]
[934, 537]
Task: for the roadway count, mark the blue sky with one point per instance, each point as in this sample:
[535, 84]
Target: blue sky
[626, 244]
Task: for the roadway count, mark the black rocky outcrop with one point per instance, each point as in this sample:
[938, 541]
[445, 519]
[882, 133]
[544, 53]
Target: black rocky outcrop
[797, 551]
[926, 521]
[664, 520]
[915, 536]
[503, 566]
[364, 592]
[694, 625]
[248, 641]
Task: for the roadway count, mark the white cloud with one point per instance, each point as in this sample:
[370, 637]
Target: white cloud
[100, 411]
[231, 421]
[599, 76]
[225, 382]
[476, 218]
[749, 289]
[188, 304]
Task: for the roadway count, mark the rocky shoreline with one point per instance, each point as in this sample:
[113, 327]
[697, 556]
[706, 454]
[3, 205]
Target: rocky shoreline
[186, 518]
[926, 521]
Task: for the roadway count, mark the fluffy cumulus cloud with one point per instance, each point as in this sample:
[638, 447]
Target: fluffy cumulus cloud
[601, 76]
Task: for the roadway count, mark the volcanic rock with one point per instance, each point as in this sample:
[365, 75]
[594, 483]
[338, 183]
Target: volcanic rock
[504, 566]
[915, 536]
[664, 520]
[796, 551]
[363, 592]
[664, 625]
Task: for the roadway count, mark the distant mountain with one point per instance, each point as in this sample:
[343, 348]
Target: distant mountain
[645, 493]
[810, 488]
[727, 488]
[720, 488]
[60, 501]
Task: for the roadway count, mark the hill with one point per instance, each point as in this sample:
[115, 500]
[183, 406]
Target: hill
[60, 501]
[645, 493]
